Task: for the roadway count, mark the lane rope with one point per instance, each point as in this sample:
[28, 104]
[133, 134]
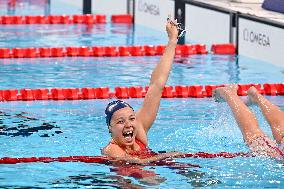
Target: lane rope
[65, 19]
[111, 51]
[179, 91]
[106, 160]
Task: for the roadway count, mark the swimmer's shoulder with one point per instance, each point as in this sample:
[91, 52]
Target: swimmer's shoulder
[113, 150]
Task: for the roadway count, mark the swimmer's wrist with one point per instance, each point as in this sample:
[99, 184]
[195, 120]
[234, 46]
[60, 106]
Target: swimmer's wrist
[172, 42]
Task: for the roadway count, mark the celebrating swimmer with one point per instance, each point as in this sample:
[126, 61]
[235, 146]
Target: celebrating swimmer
[128, 128]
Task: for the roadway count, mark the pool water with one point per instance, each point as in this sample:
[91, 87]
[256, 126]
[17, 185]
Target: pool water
[132, 71]
[59, 35]
[67, 128]
[24, 7]
[73, 128]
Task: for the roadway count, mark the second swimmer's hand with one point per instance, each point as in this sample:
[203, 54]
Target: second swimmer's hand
[172, 32]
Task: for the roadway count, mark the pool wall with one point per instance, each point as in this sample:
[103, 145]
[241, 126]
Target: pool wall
[259, 37]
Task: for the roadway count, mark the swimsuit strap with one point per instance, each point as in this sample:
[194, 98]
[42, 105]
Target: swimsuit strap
[141, 144]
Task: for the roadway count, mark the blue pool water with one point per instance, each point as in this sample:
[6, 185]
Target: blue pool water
[38, 7]
[132, 71]
[67, 128]
[78, 35]
[24, 7]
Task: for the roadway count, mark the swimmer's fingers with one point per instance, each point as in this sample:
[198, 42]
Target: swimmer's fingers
[175, 22]
[169, 18]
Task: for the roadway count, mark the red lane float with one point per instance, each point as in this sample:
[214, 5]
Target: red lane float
[64, 19]
[180, 91]
[122, 18]
[40, 94]
[136, 92]
[5, 53]
[201, 49]
[99, 51]
[121, 92]
[273, 89]
[106, 160]
[223, 49]
[44, 52]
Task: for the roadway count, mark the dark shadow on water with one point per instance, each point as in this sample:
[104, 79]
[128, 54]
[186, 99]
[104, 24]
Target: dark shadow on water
[126, 175]
[19, 124]
[98, 180]
[19, 187]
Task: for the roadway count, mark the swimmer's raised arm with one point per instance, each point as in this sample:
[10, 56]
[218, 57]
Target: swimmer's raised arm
[148, 112]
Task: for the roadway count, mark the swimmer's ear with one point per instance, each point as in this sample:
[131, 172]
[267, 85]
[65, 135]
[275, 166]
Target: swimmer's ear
[109, 129]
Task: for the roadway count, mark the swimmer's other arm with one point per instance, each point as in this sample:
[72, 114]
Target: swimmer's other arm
[120, 155]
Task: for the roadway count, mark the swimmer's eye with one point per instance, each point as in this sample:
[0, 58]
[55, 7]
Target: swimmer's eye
[120, 122]
[132, 118]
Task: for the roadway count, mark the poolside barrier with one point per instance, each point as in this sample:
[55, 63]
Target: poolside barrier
[65, 19]
[180, 91]
[111, 51]
[105, 160]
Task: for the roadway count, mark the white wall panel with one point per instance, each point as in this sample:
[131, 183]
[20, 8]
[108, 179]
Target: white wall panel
[261, 41]
[153, 13]
[206, 26]
[109, 7]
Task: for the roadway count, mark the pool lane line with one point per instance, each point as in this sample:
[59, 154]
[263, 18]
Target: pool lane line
[179, 91]
[65, 19]
[106, 160]
[112, 51]
[98, 51]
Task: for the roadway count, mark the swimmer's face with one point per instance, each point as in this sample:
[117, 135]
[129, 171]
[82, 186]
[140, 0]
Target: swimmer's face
[122, 126]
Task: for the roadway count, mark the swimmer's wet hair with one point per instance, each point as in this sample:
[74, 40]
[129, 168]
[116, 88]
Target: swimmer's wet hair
[113, 107]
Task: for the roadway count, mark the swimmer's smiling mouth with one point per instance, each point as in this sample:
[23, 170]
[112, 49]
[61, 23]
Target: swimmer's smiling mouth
[128, 134]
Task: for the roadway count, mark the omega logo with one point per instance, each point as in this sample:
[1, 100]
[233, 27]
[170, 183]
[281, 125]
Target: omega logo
[255, 37]
[148, 8]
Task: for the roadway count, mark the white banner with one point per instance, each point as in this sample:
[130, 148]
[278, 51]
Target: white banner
[206, 26]
[109, 7]
[74, 6]
[261, 41]
[153, 13]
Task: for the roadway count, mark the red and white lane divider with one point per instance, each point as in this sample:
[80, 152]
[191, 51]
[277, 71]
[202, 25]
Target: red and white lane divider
[66, 19]
[99, 51]
[110, 51]
[105, 160]
[193, 91]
